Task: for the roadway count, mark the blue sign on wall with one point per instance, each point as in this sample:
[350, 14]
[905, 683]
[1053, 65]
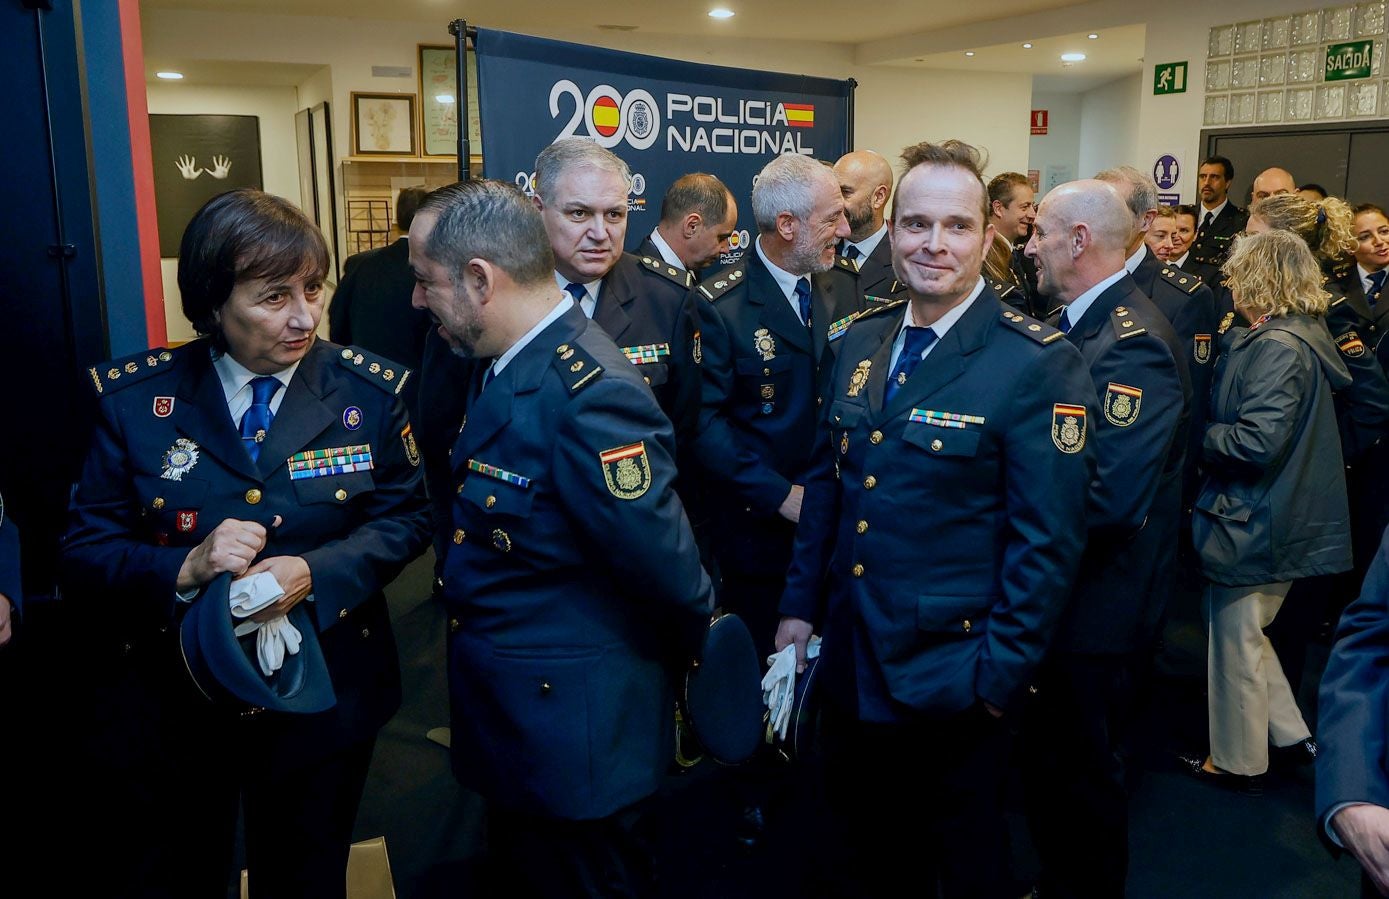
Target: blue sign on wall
[664, 117]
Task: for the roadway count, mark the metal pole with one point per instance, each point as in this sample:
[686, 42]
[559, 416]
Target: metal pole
[459, 29]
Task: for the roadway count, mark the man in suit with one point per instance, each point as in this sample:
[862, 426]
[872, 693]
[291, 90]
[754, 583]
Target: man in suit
[960, 430]
[1352, 796]
[773, 320]
[1073, 769]
[371, 306]
[642, 302]
[698, 216]
[866, 180]
[1220, 220]
[1012, 209]
[572, 580]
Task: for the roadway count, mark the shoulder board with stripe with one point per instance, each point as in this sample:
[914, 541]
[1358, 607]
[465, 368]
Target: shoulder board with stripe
[375, 370]
[878, 308]
[1003, 288]
[1335, 301]
[666, 270]
[1042, 333]
[576, 367]
[717, 285]
[1124, 324]
[845, 263]
[114, 374]
[1179, 279]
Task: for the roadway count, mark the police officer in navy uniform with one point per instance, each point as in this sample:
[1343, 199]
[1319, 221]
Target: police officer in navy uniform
[1219, 220]
[258, 449]
[1073, 770]
[1012, 209]
[572, 580]
[643, 302]
[772, 323]
[698, 217]
[961, 431]
[865, 177]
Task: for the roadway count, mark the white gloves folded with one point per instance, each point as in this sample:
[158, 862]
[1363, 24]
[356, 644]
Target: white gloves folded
[274, 638]
[779, 685]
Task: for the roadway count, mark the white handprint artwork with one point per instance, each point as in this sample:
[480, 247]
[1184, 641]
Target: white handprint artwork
[188, 168]
[221, 166]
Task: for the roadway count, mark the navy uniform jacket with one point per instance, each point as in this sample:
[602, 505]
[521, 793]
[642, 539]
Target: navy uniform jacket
[958, 519]
[1211, 245]
[1031, 302]
[1362, 409]
[1138, 366]
[572, 581]
[1353, 703]
[10, 583]
[445, 381]
[1189, 306]
[133, 522]
[371, 308]
[646, 307]
[764, 373]
[873, 276]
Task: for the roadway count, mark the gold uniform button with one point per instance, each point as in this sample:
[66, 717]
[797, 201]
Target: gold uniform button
[253, 496]
[454, 625]
[766, 371]
[342, 613]
[870, 482]
[967, 626]
[340, 495]
[158, 503]
[861, 527]
[875, 438]
[491, 501]
[545, 687]
[458, 536]
[819, 401]
[937, 445]
[858, 571]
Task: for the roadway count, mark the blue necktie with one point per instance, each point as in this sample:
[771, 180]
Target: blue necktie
[577, 291]
[918, 339]
[256, 422]
[852, 253]
[1376, 285]
[803, 298]
[1065, 323]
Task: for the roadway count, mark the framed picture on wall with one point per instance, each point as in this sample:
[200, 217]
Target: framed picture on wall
[439, 101]
[197, 157]
[383, 124]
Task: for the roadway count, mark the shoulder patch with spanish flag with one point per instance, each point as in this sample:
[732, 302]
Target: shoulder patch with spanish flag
[1068, 427]
[1121, 404]
[626, 470]
[1350, 344]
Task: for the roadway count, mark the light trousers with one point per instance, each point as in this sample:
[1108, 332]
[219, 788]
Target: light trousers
[1250, 702]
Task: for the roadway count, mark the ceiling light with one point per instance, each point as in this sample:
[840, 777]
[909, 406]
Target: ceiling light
[720, 13]
[969, 52]
[444, 98]
[1027, 46]
[169, 76]
[1072, 57]
[1093, 36]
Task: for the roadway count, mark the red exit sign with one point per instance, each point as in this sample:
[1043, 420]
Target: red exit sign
[1039, 121]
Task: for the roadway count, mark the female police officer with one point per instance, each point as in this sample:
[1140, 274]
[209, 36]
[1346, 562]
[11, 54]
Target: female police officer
[259, 448]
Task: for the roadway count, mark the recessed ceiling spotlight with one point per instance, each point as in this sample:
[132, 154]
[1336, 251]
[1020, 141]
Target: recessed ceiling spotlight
[1027, 46]
[1093, 36]
[169, 76]
[969, 52]
[1072, 57]
[720, 13]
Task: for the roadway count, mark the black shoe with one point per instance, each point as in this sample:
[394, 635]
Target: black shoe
[1244, 784]
[1303, 752]
[751, 825]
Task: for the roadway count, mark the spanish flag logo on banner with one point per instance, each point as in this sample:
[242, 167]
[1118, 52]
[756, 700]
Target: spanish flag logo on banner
[799, 115]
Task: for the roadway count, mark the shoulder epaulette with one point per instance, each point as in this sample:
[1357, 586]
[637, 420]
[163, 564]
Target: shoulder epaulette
[1336, 300]
[666, 270]
[1003, 288]
[117, 373]
[377, 370]
[1184, 282]
[878, 308]
[1034, 329]
[719, 284]
[576, 367]
[1124, 325]
[845, 263]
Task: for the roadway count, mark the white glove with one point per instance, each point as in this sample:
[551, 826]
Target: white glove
[249, 595]
[275, 638]
[779, 688]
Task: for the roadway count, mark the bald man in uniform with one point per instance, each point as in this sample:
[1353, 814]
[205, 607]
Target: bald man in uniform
[698, 216]
[865, 178]
[1271, 182]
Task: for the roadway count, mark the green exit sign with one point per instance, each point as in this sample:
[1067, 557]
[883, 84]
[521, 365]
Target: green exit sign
[1347, 61]
[1169, 78]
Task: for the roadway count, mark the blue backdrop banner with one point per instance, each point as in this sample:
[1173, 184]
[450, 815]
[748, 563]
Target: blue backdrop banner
[664, 117]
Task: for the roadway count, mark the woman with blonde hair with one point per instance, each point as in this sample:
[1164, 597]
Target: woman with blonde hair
[1273, 506]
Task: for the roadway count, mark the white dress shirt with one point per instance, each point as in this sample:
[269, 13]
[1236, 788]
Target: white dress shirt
[784, 279]
[941, 326]
[590, 300]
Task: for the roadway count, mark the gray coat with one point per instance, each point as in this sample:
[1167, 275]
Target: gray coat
[1273, 505]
